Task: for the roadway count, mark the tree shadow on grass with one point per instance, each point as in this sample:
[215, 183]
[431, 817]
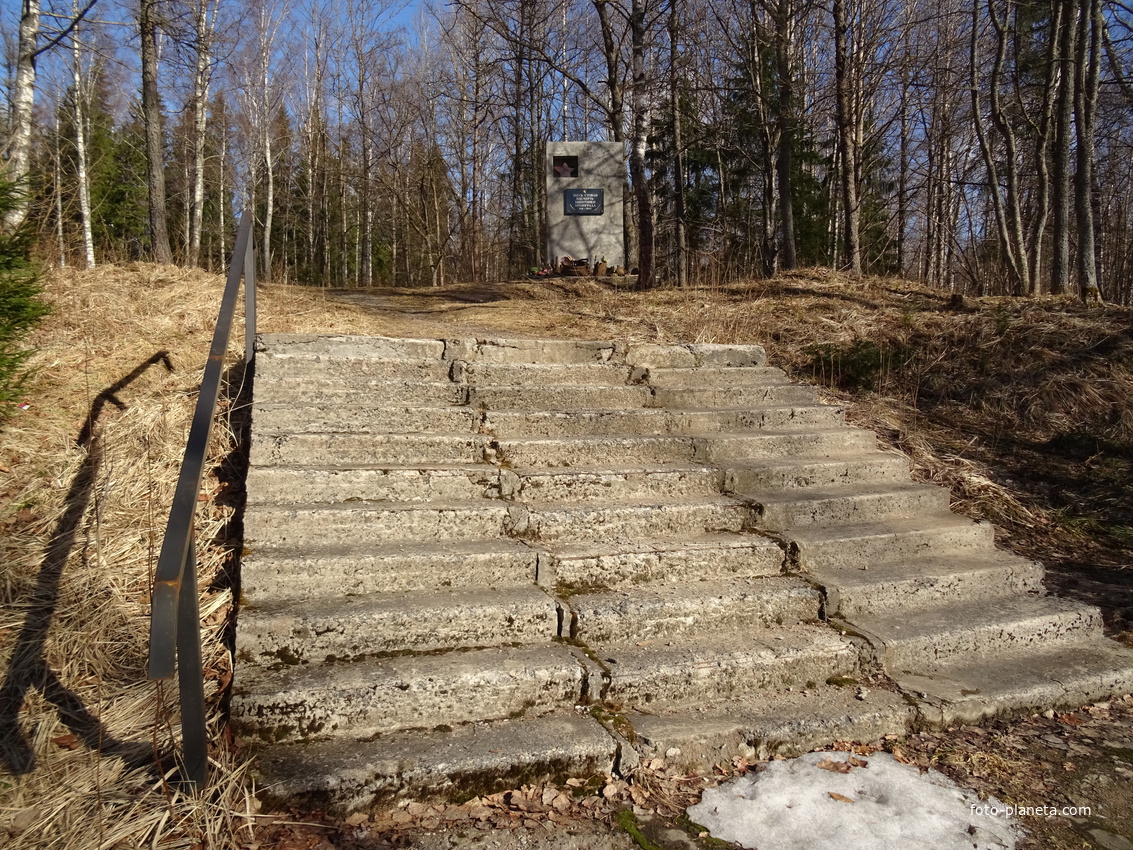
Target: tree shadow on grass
[29, 668]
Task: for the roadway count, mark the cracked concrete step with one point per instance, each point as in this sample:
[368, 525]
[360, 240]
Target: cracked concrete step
[654, 612]
[472, 760]
[558, 397]
[324, 392]
[285, 574]
[807, 472]
[302, 368]
[361, 523]
[1061, 675]
[705, 557]
[283, 485]
[281, 346]
[575, 486]
[847, 505]
[656, 421]
[909, 586]
[487, 374]
[724, 665]
[373, 449]
[554, 351]
[784, 723]
[660, 356]
[344, 629]
[716, 377]
[825, 547]
[553, 524]
[362, 415]
[380, 695]
[973, 628]
[715, 449]
[709, 398]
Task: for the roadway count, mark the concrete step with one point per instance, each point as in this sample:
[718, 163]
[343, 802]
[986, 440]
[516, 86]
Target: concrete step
[380, 695]
[656, 422]
[973, 628]
[1062, 675]
[825, 547]
[447, 763]
[552, 351]
[724, 665]
[362, 416]
[660, 356]
[925, 582]
[676, 482]
[282, 346]
[288, 485]
[488, 374]
[847, 505]
[712, 398]
[374, 523]
[763, 725]
[326, 392]
[792, 473]
[705, 557]
[717, 377]
[346, 629]
[551, 524]
[663, 611]
[726, 449]
[367, 449]
[558, 397]
[290, 575]
[301, 368]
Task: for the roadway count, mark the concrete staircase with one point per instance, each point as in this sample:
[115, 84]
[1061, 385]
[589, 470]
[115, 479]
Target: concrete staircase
[473, 562]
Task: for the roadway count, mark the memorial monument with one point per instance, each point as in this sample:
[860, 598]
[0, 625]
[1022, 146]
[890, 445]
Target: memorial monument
[584, 202]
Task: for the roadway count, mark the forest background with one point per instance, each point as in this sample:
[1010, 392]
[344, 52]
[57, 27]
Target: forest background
[979, 146]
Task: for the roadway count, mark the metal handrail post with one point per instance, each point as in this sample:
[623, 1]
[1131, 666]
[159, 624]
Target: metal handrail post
[249, 305]
[190, 675]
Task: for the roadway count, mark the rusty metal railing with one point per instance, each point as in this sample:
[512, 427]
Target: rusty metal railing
[175, 626]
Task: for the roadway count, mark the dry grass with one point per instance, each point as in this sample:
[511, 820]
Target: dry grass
[961, 391]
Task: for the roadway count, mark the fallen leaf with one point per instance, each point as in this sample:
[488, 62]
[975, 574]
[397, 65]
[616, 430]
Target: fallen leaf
[357, 819]
[857, 762]
[834, 795]
[901, 757]
[1070, 719]
[67, 742]
[834, 766]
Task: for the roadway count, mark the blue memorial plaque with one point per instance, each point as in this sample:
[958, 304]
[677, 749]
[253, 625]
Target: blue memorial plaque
[583, 201]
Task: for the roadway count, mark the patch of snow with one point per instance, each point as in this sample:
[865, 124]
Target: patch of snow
[789, 806]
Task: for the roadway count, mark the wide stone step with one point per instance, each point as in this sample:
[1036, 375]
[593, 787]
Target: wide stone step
[301, 368]
[612, 522]
[552, 351]
[661, 356]
[794, 473]
[705, 557]
[283, 346]
[948, 633]
[578, 486]
[725, 449]
[472, 760]
[719, 377]
[362, 415]
[510, 424]
[908, 586]
[381, 695]
[487, 374]
[724, 665]
[763, 725]
[363, 449]
[859, 503]
[290, 575]
[371, 523]
[595, 451]
[709, 398]
[1062, 675]
[666, 611]
[558, 397]
[825, 547]
[353, 627]
[286, 485]
[326, 392]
